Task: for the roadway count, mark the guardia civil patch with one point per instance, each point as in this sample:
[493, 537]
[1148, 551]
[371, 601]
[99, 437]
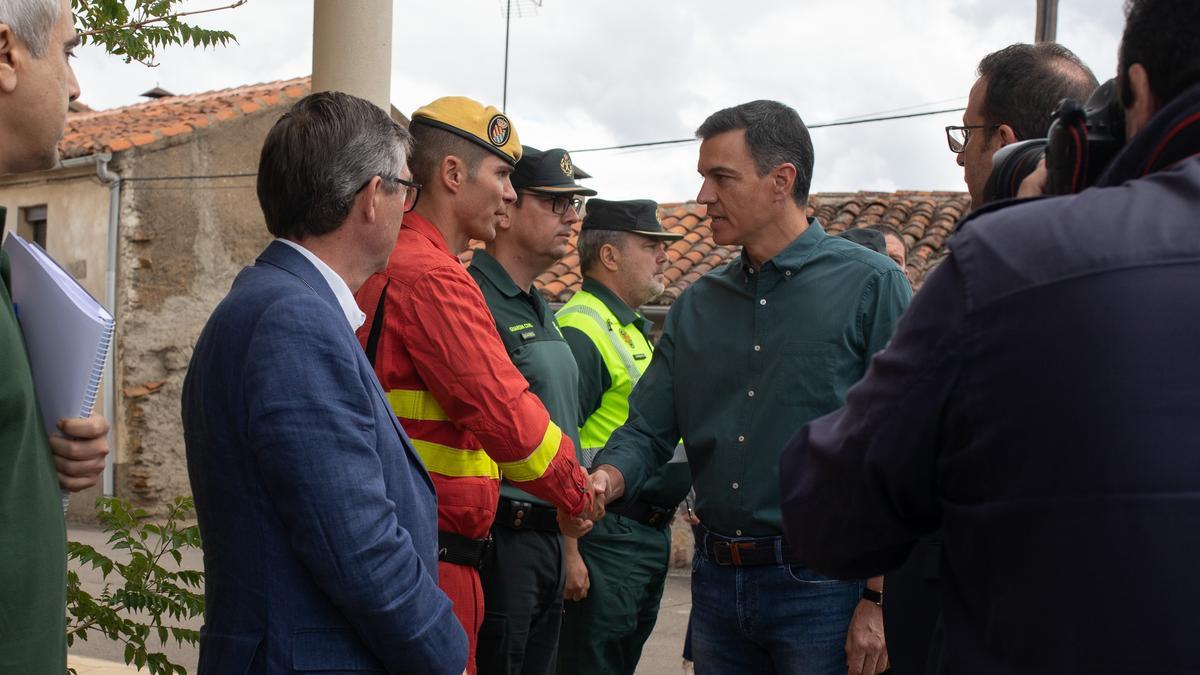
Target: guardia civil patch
[499, 130]
[565, 165]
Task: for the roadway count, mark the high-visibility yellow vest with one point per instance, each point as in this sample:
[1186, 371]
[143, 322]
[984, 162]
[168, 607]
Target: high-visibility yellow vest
[626, 353]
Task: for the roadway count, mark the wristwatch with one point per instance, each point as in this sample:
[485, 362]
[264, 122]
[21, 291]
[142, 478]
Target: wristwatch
[873, 596]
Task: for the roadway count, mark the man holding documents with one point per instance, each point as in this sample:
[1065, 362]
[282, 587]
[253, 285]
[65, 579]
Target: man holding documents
[36, 83]
[318, 518]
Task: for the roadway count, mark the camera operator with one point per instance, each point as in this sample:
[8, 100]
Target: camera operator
[1017, 91]
[1040, 403]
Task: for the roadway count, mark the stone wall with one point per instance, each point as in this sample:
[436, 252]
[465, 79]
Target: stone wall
[184, 235]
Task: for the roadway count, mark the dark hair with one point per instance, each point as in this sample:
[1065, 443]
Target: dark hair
[885, 229]
[1163, 36]
[591, 241]
[319, 155]
[775, 135]
[1025, 83]
[432, 145]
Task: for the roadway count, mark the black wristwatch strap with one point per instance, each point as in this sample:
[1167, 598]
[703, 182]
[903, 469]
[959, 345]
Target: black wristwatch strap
[873, 596]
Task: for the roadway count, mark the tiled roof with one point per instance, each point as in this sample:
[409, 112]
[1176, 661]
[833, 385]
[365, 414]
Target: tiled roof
[925, 219]
[153, 121]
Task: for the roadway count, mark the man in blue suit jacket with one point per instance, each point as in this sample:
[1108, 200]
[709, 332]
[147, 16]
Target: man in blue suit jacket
[319, 520]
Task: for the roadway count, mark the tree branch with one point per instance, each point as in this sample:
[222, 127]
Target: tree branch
[139, 24]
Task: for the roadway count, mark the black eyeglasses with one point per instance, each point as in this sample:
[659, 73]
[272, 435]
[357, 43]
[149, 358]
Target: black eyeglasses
[559, 203]
[412, 191]
[958, 136]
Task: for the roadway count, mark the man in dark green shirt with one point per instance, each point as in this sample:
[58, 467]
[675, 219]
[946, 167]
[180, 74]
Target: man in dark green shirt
[522, 575]
[39, 82]
[749, 354]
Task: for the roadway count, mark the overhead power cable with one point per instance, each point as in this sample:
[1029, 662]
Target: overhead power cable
[821, 125]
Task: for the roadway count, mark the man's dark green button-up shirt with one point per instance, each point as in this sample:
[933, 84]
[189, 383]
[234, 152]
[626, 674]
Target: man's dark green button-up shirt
[536, 347]
[746, 358]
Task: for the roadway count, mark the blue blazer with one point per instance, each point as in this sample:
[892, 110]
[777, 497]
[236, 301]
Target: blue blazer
[318, 519]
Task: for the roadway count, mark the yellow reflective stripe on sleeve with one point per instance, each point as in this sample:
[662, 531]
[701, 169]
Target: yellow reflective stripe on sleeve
[534, 466]
[416, 404]
[455, 462]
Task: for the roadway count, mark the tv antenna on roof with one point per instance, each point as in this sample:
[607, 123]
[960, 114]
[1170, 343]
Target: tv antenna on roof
[522, 9]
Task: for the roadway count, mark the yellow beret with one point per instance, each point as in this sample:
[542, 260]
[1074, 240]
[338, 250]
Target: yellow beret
[468, 118]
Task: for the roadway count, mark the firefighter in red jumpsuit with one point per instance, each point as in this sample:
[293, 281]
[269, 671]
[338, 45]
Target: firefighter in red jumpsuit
[449, 379]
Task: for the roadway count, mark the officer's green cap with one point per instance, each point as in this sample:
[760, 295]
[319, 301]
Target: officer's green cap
[639, 216]
[484, 125]
[549, 171]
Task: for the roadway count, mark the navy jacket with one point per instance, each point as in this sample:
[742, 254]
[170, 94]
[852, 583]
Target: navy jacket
[318, 519]
[1040, 401]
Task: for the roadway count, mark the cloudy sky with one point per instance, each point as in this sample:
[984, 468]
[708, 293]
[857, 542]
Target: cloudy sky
[589, 73]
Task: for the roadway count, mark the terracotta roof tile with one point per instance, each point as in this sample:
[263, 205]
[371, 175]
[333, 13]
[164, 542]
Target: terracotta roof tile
[143, 124]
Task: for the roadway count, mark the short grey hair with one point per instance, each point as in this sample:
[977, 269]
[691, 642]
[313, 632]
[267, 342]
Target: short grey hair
[319, 155]
[590, 243]
[32, 21]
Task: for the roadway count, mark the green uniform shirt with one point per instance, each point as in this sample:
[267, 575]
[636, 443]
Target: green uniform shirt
[668, 485]
[33, 537]
[748, 357]
[536, 347]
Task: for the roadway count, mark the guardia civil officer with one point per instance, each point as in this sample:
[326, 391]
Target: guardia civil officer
[616, 573]
[523, 574]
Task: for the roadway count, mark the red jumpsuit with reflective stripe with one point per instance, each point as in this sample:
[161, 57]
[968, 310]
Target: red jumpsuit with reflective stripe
[467, 408]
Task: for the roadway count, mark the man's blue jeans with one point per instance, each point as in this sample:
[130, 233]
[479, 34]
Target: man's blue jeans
[777, 618]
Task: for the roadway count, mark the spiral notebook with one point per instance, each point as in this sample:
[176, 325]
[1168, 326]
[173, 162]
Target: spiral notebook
[67, 332]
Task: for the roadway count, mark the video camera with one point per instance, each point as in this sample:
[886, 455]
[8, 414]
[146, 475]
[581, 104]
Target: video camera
[1081, 142]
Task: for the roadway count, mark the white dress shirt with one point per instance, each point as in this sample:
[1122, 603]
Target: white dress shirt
[341, 291]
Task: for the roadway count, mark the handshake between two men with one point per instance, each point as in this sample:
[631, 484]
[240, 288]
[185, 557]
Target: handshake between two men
[605, 484]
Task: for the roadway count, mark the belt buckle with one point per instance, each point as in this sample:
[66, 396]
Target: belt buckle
[484, 549]
[735, 551]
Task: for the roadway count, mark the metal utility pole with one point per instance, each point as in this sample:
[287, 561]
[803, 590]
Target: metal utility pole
[1047, 21]
[507, 23]
[524, 8]
[352, 49]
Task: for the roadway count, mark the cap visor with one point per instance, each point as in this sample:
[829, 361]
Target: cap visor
[657, 235]
[563, 189]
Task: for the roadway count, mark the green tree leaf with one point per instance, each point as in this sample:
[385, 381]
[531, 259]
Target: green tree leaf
[138, 29]
[145, 587]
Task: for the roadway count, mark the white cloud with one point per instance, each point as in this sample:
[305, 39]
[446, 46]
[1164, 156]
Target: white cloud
[586, 73]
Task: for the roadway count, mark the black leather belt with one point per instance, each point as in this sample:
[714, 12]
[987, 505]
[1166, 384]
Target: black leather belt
[743, 551]
[518, 515]
[459, 550]
[646, 514]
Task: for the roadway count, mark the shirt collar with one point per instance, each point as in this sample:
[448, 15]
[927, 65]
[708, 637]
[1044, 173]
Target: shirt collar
[794, 255]
[624, 313]
[427, 229]
[345, 298]
[491, 268]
